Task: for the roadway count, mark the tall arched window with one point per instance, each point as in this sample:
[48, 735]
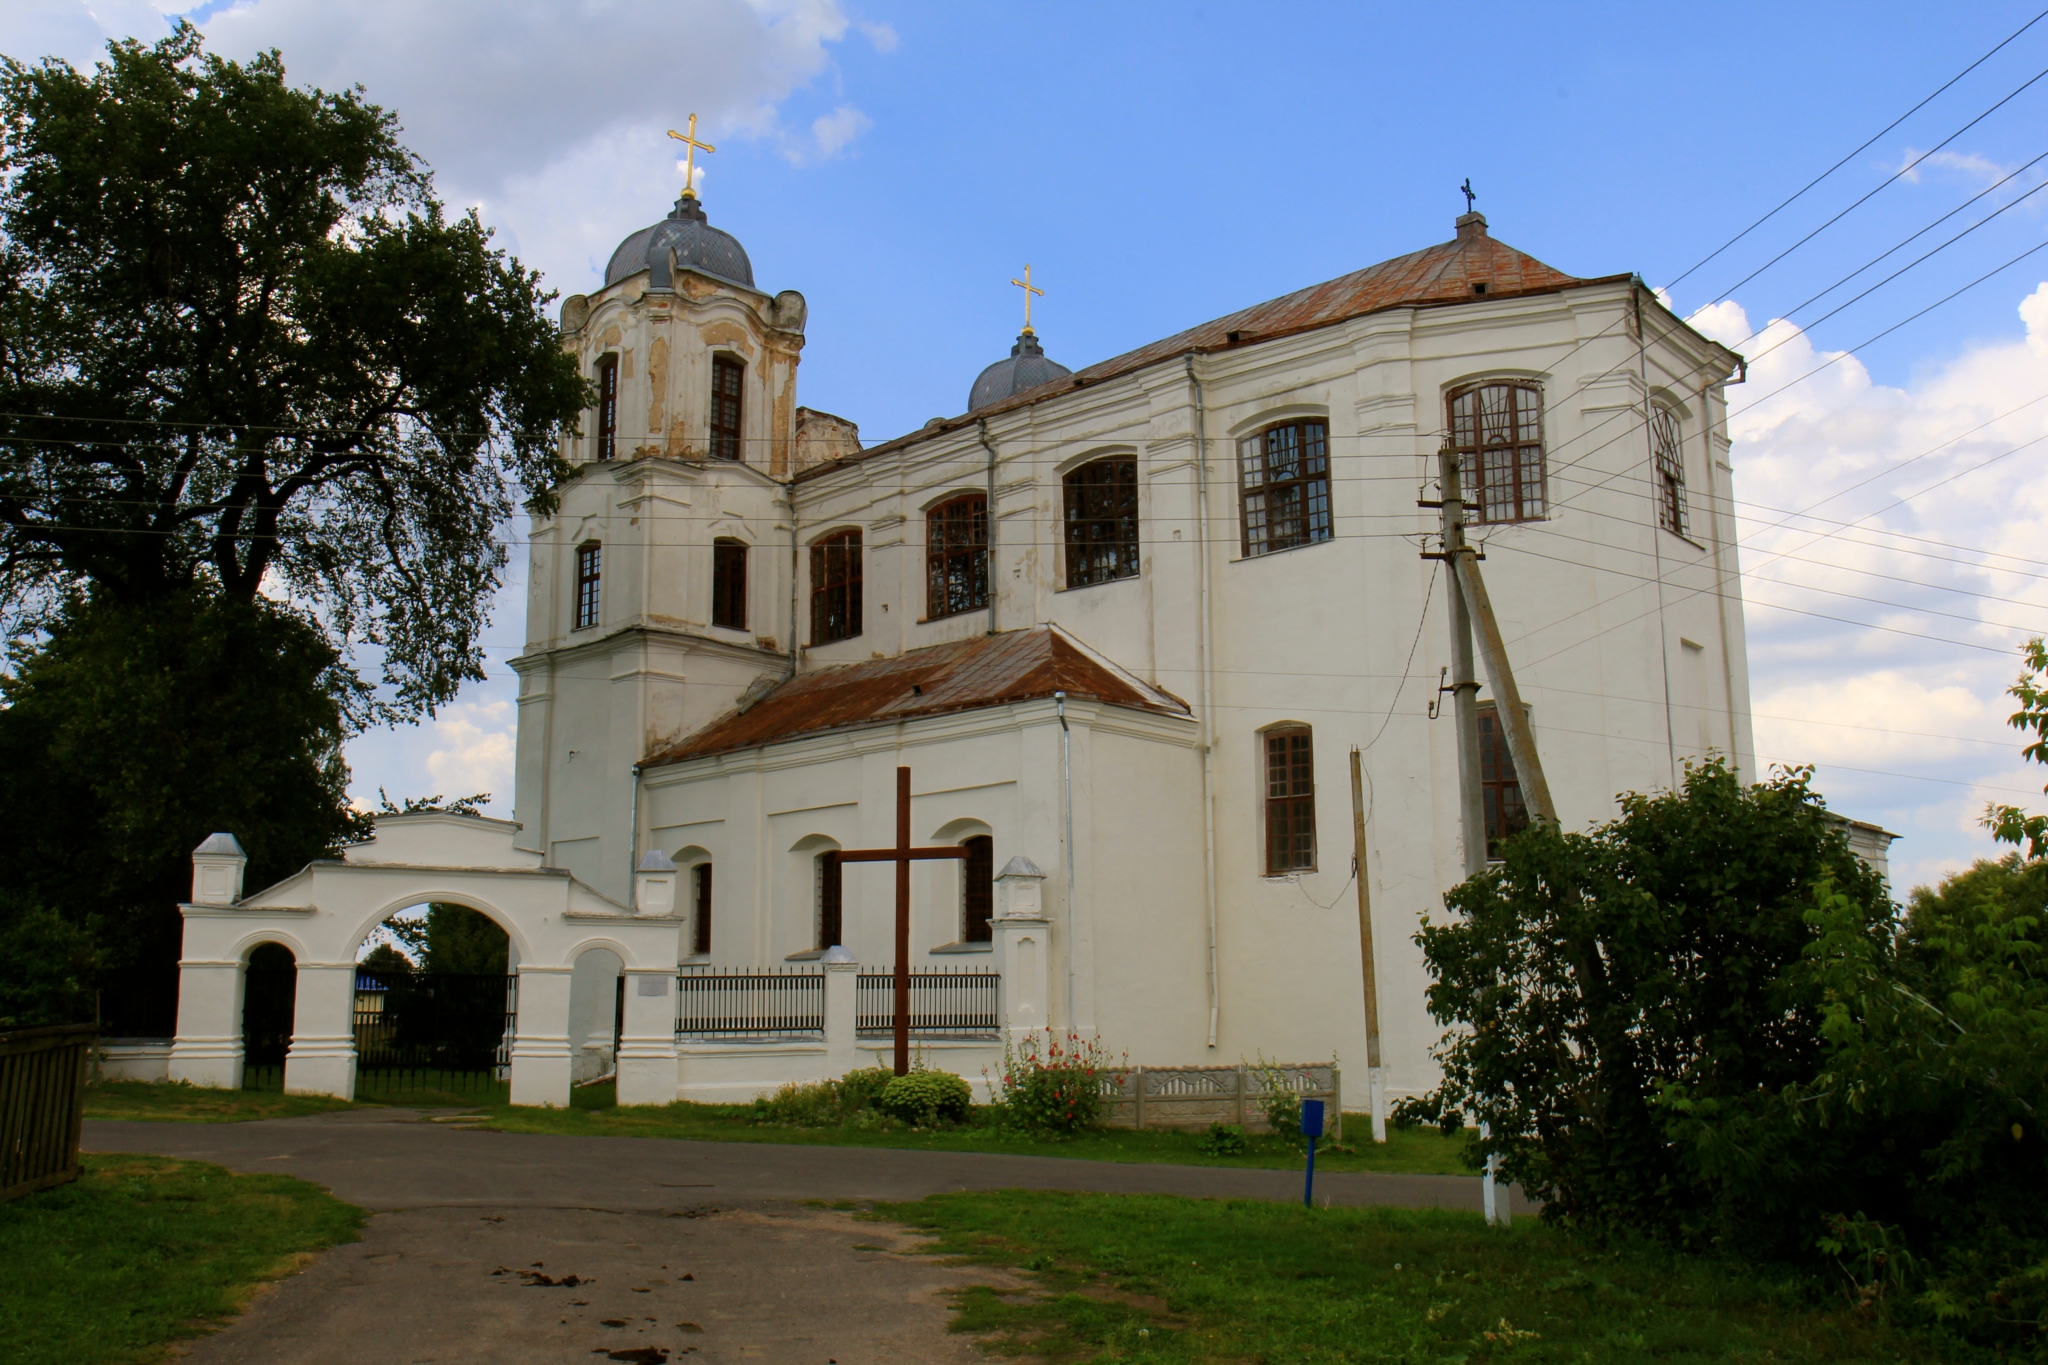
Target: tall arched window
[700, 897]
[831, 920]
[956, 556]
[1102, 521]
[589, 575]
[1286, 486]
[1497, 430]
[729, 583]
[977, 889]
[607, 442]
[1290, 799]
[728, 382]
[1665, 440]
[835, 588]
[1500, 789]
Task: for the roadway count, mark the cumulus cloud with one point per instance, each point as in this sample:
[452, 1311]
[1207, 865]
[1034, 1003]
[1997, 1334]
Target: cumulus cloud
[1969, 164]
[835, 130]
[473, 749]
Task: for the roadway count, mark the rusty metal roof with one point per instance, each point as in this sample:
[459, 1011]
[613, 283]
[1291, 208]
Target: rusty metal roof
[988, 670]
[1433, 277]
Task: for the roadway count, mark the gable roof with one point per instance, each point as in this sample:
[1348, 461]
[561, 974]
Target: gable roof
[1435, 276]
[988, 670]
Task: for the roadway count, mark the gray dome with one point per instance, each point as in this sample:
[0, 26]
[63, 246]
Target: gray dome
[696, 244]
[1026, 368]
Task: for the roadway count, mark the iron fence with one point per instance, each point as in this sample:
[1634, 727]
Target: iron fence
[940, 1002]
[42, 1106]
[738, 1004]
[433, 1031]
[269, 1000]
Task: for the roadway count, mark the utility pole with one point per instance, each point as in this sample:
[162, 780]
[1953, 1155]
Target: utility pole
[1464, 688]
[1375, 1086]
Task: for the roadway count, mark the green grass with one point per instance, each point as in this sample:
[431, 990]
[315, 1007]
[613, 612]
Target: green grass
[178, 1102]
[142, 1251]
[1407, 1151]
[1158, 1278]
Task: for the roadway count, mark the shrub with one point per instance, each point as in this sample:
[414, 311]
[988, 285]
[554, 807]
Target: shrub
[1223, 1140]
[800, 1104]
[926, 1098]
[1282, 1105]
[858, 1090]
[1054, 1084]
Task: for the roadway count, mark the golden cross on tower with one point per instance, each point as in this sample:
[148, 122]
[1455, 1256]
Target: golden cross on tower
[1029, 289]
[689, 139]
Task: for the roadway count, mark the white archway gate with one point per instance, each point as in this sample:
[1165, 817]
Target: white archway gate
[324, 912]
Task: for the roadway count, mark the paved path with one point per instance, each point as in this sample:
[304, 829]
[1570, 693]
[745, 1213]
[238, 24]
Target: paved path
[681, 1250]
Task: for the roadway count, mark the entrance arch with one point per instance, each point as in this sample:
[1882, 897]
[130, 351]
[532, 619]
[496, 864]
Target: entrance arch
[270, 980]
[436, 1009]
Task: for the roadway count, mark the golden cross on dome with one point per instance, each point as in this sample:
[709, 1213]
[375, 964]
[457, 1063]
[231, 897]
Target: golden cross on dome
[1029, 289]
[689, 139]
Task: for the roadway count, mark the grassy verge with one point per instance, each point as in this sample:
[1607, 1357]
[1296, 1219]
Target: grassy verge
[1407, 1151]
[178, 1102]
[1155, 1278]
[142, 1251]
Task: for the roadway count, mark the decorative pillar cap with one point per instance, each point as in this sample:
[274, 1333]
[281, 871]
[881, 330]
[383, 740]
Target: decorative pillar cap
[222, 843]
[1020, 866]
[839, 953]
[656, 861]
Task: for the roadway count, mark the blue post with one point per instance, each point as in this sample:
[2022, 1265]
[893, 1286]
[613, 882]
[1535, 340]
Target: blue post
[1311, 1128]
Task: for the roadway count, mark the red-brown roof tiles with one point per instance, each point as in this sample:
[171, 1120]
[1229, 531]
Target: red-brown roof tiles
[988, 670]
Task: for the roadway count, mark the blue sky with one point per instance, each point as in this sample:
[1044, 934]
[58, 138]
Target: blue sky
[1159, 164]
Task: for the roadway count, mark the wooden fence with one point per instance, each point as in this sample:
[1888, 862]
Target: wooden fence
[1197, 1096]
[42, 1106]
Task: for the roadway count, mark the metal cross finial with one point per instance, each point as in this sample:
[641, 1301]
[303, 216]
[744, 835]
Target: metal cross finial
[1029, 289]
[1464, 189]
[689, 139]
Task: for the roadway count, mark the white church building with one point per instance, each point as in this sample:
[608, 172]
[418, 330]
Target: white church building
[1124, 624]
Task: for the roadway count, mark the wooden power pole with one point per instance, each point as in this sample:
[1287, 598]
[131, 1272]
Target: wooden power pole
[1374, 1081]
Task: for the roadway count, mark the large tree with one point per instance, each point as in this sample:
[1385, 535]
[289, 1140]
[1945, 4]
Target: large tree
[243, 349]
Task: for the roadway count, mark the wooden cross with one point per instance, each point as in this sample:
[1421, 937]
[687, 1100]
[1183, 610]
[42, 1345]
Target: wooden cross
[902, 855]
[689, 139]
[1029, 289]
[1466, 190]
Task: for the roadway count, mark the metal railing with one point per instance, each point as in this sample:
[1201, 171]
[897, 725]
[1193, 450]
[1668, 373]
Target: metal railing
[42, 1106]
[739, 1004]
[435, 1031]
[956, 1002]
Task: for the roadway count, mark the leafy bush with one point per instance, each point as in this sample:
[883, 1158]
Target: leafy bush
[926, 1098]
[858, 1090]
[1281, 1105]
[1053, 1083]
[800, 1104]
[1223, 1140]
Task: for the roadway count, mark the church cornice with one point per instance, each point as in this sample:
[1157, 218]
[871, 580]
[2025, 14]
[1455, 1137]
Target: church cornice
[694, 640]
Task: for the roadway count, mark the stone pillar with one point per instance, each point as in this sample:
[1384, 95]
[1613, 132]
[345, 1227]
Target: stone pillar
[647, 1041]
[1022, 946]
[842, 981]
[217, 867]
[322, 1058]
[208, 1048]
[540, 1050]
[654, 886]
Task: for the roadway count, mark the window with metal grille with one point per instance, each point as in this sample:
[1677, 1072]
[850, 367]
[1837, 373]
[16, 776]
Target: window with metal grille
[1666, 441]
[1290, 800]
[977, 888]
[835, 588]
[831, 930]
[607, 442]
[1286, 486]
[1497, 430]
[1102, 522]
[1501, 791]
[956, 556]
[729, 584]
[728, 381]
[589, 563]
[700, 889]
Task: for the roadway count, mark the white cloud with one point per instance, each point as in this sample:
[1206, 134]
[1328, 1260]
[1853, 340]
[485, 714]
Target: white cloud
[881, 36]
[1972, 166]
[473, 750]
[835, 130]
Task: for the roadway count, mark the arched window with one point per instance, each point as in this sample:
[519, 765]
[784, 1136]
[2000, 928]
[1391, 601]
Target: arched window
[977, 888]
[956, 556]
[1501, 790]
[1497, 430]
[700, 906]
[1666, 442]
[1290, 800]
[729, 583]
[607, 442]
[1286, 486]
[589, 567]
[835, 588]
[1102, 521]
[831, 922]
[728, 382]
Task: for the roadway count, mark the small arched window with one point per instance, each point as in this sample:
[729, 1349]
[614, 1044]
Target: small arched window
[589, 575]
[729, 583]
[977, 888]
[1286, 486]
[1102, 521]
[831, 920]
[835, 588]
[607, 443]
[728, 383]
[1290, 800]
[700, 908]
[1666, 441]
[956, 556]
[1497, 431]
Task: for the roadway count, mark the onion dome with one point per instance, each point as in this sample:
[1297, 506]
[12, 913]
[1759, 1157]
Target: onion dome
[693, 243]
[1027, 368]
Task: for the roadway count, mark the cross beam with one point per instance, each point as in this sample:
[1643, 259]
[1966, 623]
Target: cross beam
[903, 855]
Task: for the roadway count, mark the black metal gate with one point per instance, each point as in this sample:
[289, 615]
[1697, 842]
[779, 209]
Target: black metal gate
[269, 996]
[433, 1032]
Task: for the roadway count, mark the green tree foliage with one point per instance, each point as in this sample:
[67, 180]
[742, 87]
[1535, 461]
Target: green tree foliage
[453, 940]
[242, 347]
[2010, 824]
